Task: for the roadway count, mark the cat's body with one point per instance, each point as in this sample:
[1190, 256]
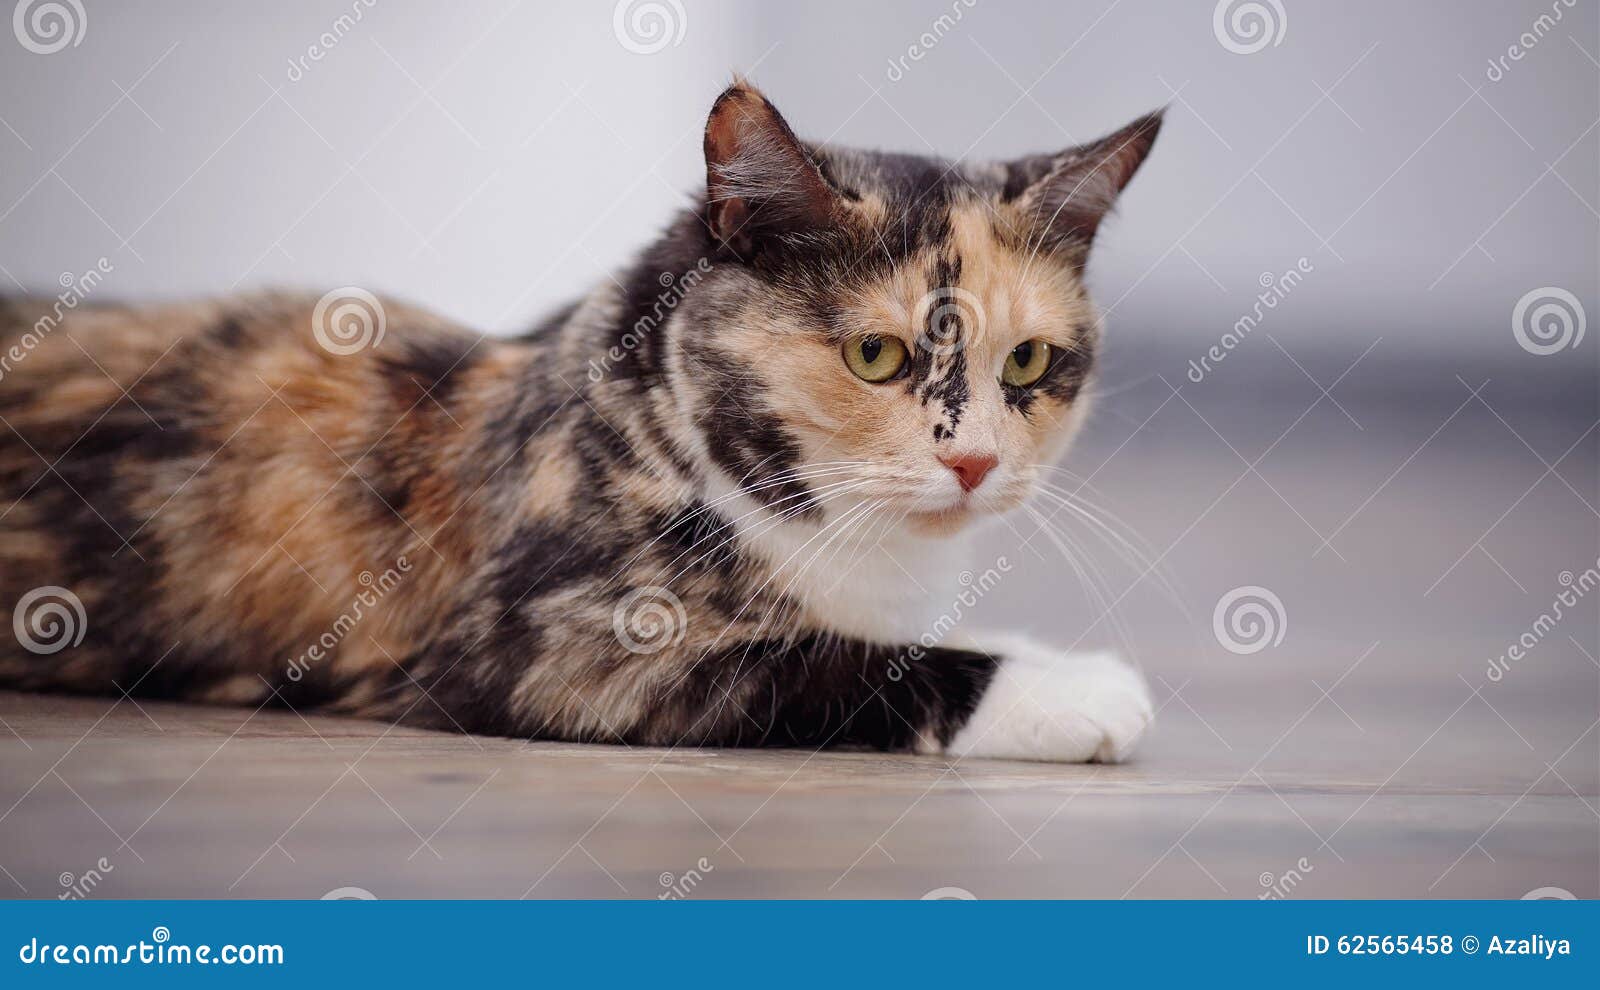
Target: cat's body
[670, 515]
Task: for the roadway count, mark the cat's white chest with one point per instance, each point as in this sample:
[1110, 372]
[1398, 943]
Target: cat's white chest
[861, 581]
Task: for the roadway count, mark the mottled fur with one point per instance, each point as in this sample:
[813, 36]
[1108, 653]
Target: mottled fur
[222, 491]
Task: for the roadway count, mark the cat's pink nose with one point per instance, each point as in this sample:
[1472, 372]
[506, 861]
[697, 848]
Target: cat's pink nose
[970, 469]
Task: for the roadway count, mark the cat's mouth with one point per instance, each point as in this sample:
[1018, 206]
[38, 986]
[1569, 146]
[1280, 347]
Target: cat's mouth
[928, 507]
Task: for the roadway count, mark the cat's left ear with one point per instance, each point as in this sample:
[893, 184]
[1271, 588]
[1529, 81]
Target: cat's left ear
[1066, 195]
[760, 180]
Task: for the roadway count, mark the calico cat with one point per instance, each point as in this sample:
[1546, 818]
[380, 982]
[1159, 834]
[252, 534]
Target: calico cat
[721, 501]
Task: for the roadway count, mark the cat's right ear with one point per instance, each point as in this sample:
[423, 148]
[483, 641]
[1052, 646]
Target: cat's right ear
[760, 182]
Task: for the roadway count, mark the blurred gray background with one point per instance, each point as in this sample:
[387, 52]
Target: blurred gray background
[1402, 451]
[493, 159]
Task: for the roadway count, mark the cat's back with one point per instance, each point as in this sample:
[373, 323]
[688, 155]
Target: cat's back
[334, 334]
[202, 471]
[182, 368]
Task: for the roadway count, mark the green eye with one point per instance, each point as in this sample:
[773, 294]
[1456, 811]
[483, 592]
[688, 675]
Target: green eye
[1026, 363]
[873, 358]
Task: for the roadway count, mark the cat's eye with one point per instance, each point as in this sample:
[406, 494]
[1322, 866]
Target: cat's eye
[1026, 363]
[873, 358]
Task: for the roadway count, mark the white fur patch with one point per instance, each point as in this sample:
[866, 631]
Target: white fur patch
[856, 579]
[1047, 705]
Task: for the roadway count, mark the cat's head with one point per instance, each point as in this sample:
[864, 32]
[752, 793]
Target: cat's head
[887, 329]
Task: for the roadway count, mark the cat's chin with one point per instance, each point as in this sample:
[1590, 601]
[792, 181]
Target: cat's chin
[954, 518]
[937, 523]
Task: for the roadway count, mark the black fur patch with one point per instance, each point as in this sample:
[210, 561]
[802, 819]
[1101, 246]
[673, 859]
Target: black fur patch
[543, 556]
[746, 439]
[694, 539]
[229, 332]
[825, 691]
[419, 368]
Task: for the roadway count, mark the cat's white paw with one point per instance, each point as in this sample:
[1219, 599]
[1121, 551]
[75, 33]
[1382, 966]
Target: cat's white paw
[1046, 704]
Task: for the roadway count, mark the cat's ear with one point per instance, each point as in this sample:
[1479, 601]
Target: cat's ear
[760, 181]
[1066, 195]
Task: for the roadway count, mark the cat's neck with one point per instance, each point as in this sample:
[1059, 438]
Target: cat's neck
[850, 575]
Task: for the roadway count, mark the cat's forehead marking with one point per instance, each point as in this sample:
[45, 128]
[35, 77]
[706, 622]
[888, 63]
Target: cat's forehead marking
[949, 319]
[967, 297]
[967, 289]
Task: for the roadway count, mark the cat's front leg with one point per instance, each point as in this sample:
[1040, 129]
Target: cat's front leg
[1004, 697]
[1043, 703]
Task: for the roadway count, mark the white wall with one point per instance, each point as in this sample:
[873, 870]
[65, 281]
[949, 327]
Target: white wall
[491, 159]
